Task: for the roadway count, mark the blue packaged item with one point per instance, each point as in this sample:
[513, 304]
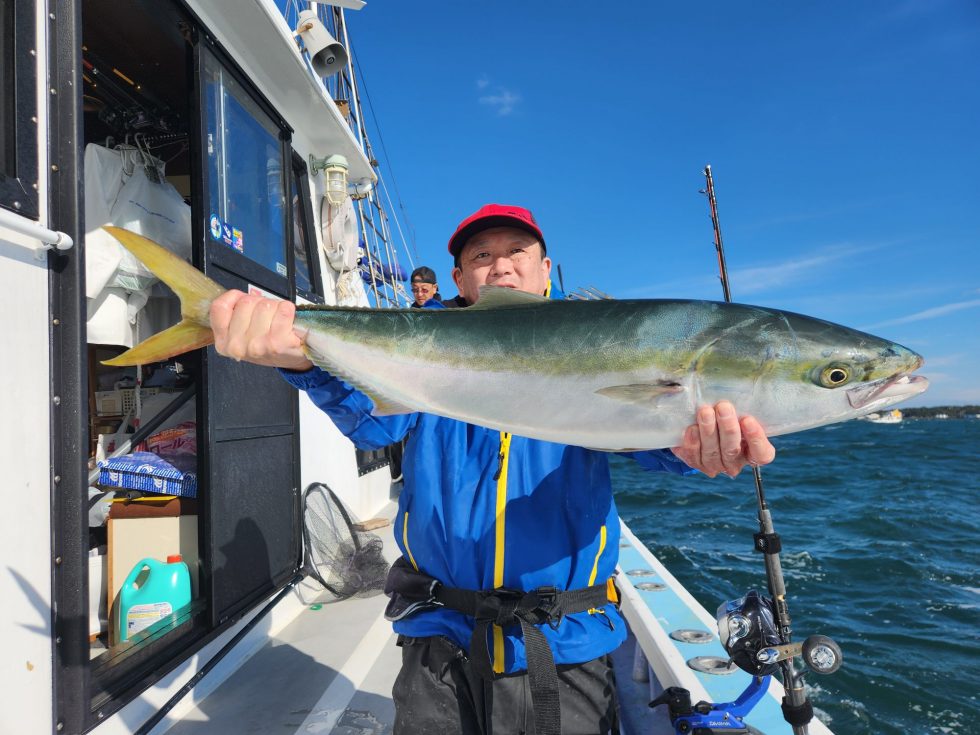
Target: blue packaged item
[147, 472]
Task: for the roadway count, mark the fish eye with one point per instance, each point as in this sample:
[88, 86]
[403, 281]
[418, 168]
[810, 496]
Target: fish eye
[834, 375]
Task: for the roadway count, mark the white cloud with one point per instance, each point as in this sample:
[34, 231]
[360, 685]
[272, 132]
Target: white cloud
[762, 278]
[503, 102]
[929, 313]
[499, 99]
[947, 360]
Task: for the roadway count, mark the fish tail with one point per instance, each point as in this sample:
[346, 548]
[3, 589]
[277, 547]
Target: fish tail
[195, 290]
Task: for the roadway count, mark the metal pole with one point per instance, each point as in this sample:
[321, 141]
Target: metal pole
[792, 679]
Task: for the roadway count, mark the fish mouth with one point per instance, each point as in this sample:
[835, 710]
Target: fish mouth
[886, 391]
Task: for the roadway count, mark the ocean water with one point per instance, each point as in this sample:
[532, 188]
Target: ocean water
[880, 527]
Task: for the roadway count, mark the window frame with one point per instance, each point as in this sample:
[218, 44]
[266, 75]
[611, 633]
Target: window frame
[217, 253]
[300, 185]
[19, 188]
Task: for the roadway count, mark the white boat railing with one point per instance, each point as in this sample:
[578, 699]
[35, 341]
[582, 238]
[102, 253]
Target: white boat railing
[24, 226]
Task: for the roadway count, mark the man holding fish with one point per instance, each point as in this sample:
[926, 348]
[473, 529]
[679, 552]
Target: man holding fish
[486, 510]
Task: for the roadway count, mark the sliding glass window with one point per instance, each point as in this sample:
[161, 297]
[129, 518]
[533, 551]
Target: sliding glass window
[246, 177]
[18, 108]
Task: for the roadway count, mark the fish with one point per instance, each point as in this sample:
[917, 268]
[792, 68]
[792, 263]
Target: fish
[612, 375]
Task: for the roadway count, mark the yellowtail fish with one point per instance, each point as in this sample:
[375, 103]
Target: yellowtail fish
[609, 374]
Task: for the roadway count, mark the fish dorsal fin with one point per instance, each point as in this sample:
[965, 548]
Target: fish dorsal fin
[642, 393]
[496, 297]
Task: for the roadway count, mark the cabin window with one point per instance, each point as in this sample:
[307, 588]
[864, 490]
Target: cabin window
[308, 285]
[8, 149]
[246, 176]
[18, 109]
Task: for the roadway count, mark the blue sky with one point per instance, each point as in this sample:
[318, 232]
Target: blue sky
[844, 139]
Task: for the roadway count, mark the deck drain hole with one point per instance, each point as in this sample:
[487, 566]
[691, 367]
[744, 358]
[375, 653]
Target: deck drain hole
[650, 586]
[641, 572]
[712, 665]
[689, 635]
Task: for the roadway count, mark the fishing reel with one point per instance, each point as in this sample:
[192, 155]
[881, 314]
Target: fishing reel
[751, 638]
[749, 633]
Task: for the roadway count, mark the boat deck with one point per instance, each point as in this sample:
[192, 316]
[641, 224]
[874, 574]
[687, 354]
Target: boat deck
[331, 671]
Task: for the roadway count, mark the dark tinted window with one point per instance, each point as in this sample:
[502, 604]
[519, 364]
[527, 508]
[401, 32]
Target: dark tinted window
[246, 197]
[8, 149]
[18, 108]
[308, 278]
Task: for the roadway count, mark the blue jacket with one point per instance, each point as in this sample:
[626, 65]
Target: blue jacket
[482, 509]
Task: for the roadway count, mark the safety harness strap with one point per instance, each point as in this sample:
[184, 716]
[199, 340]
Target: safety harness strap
[506, 607]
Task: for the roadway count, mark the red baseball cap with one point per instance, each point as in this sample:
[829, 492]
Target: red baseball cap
[494, 215]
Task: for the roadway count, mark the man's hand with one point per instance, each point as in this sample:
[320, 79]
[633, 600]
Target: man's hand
[720, 442]
[257, 330]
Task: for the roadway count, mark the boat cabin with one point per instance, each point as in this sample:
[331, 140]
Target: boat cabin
[203, 126]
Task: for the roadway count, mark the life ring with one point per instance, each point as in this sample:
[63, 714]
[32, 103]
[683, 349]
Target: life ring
[338, 228]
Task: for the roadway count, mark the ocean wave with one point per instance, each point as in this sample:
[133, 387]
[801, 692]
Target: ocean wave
[880, 537]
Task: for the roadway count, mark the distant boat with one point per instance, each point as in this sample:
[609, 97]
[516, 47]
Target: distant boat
[941, 416]
[892, 417]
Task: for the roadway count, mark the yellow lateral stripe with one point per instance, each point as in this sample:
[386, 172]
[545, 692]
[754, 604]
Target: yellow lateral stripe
[602, 547]
[498, 556]
[405, 542]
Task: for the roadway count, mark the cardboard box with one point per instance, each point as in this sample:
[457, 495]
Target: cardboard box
[108, 403]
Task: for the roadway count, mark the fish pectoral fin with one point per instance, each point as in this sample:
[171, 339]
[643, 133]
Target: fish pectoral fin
[642, 393]
[495, 297]
[385, 406]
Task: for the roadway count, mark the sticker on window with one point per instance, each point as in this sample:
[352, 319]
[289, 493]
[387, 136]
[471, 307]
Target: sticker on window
[257, 291]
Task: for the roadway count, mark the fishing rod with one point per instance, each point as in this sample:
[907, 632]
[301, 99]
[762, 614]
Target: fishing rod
[796, 706]
[756, 631]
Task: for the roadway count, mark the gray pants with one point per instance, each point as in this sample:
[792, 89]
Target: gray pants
[438, 693]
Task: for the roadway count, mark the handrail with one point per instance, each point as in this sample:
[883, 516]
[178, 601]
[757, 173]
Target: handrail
[24, 226]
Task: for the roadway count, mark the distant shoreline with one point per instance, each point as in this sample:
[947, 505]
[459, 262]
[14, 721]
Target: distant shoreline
[931, 412]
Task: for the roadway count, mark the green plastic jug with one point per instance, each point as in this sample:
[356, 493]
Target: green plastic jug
[152, 591]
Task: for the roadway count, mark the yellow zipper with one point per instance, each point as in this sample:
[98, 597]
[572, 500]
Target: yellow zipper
[498, 558]
[602, 547]
[595, 565]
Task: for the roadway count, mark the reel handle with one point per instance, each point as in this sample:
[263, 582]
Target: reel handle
[822, 654]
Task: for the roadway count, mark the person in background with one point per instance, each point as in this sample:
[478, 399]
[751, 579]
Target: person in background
[424, 286]
[509, 544]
